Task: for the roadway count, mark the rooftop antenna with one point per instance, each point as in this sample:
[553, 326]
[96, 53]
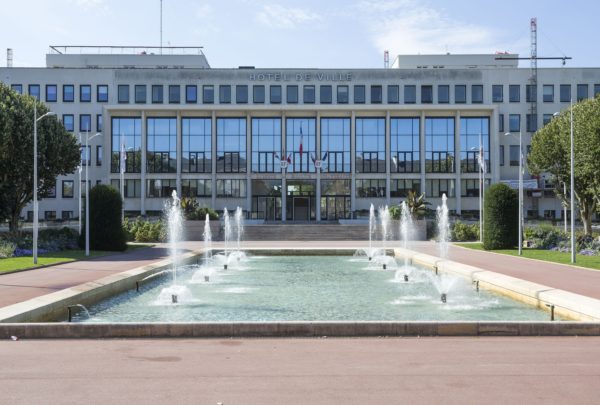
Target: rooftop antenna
[161, 16]
[386, 59]
[9, 57]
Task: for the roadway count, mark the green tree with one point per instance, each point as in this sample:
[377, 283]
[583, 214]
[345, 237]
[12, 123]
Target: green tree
[106, 228]
[417, 206]
[58, 153]
[501, 223]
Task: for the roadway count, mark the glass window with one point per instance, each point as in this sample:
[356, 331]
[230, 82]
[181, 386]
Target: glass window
[514, 122]
[404, 138]
[393, 94]
[582, 92]
[66, 215]
[460, 94]
[241, 94]
[266, 145]
[343, 94]
[500, 122]
[51, 192]
[196, 188]
[50, 215]
[99, 123]
[17, 88]
[436, 188]
[208, 94]
[85, 123]
[231, 145]
[596, 89]
[231, 188]
[530, 93]
[191, 94]
[292, 94]
[501, 150]
[370, 188]
[410, 94]
[140, 93]
[161, 145]
[160, 188]
[301, 144]
[565, 93]
[102, 93]
[401, 187]
[85, 156]
[474, 133]
[477, 94]
[68, 93]
[157, 94]
[443, 94]
[132, 188]
[123, 93]
[196, 134]
[531, 122]
[514, 93]
[34, 91]
[359, 94]
[225, 94]
[309, 94]
[546, 118]
[426, 94]
[68, 122]
[275, 94]
[370, 145]
[85, 93]
[439, 145]
[174, 94]
[376, 94]
[258, 94]
[548, 93]
[126, 132]
[326, 96]
[497, 93]
[514, 155]
[469, 188]
[98, 155]
[335, 145]
[67, 189]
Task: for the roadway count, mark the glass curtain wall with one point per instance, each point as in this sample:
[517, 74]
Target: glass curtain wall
[231, 145]
[196, 145]
[439, 145]
[301, 144]
[404, 137]
[266, 145]
[161, 145]
[370, 145]
[335, 200]
[266, 199]
[470, 131]
[129, 132]
[335, 145]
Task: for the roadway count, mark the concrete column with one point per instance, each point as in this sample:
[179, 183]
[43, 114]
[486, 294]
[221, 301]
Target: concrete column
[457, 185]
[213, 160]
[143, 176]
[179, 150]
[494, 148]
[388, 148]
[422, 153]
[283, 171]
[353, 162]
[248, 163]
[318, 157]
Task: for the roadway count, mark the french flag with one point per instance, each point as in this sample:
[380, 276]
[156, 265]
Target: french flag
[301, 139]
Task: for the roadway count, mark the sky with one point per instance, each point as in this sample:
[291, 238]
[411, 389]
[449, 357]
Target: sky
[307, 33]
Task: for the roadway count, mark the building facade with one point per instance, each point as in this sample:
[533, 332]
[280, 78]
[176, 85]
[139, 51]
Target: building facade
[298, 144]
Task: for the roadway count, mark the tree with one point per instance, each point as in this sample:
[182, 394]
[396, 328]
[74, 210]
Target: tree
[58, 153]
[417, 206]
[106, 228]
[551, 153]
[501, 218]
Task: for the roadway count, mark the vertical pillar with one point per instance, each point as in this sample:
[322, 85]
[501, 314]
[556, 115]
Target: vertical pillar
[248, 164]
[387, 155]
[494, 148]
[422, 154]
[179, 152]
[213, 160]
[143, 168]
[353, 162]
[318, 157]
[457, 158]
[283, 171]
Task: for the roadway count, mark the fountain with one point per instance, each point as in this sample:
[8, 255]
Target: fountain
[443, 283]
[207, 244]
[227, 225]
[443, 227]
[232, 256]
[406, 232]
[370, 252]
[239, 226]
[384, 218]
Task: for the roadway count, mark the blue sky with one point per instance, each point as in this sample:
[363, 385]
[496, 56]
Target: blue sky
[308, 33]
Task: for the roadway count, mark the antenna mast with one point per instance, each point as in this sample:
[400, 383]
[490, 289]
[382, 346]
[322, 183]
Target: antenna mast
[534, 70]
[161, 16]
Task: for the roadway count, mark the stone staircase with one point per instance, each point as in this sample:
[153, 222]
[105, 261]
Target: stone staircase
[307, 232]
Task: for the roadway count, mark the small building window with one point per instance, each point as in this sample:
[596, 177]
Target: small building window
[102, 93]
[85, 93]
[565, 93]
[426, 94]
[500, 122]
[123, 93]
[258, 94]
[174, 94]
[68, 93]
[309, 94]
[477, 94]
[343, 94]
[443, 94]
[241, 94]
[225, 94]
[17, 88]
[275, 94]
[460, 94]
[393, 96]
[514, 93]
[51, 93]
[326, 96]
[582, 92]
[548, 93]
[34, 91]
[292, 94]
[99, 124]
[359, 94]
[68, 122]
[497, 93]
[376, 94]
[208, 94]
[157, 94]
[514, 122]
[85, 123]
[140, 93]
[410, 94]
[191, 94]
[67, 189]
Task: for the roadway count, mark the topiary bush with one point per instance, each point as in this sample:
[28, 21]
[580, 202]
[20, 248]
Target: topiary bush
[501, 223]
[461, 232]
[106, 228]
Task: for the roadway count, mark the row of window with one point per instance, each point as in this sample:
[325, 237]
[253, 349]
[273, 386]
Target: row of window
[514, 122]
[327, 94]
[85, 122]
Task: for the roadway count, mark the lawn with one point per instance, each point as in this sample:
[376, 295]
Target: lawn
[591, 262]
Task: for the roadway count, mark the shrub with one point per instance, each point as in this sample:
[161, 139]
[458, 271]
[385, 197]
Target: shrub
[395, 212]
[189, 206]
[202, 211]
[143, 230]
[500, 218]
[545, 236]
[462, 232]
[106, 228]
[7, 249]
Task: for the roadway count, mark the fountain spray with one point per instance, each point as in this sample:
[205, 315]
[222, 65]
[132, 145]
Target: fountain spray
[175, 223]
[207, 242]
[371, 230]
[227, 225]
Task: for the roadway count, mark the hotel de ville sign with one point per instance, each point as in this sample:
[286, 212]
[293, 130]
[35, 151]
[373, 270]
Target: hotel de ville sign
[301, 77]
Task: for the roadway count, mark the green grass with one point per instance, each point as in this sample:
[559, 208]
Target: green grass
[591, 262]
[12, 264]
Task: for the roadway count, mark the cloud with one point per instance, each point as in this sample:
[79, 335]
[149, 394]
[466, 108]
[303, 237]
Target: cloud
[89, 3]
[277, 16]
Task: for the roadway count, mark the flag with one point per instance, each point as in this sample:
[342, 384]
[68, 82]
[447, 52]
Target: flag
[301, 139]
[312, 157]
[325, 156]
[275, 155]
[481, 161]
[123, 157]
[289, 158]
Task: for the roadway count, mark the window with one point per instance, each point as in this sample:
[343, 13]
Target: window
[98, 155]
[275, 94]
[50, 215]
[231, 188]
[123, 93]
[582, 92]
[51, 192]
[497, 93]
[401, 187]
[157, 94]
[67, 189]
[343, 94]
[161, 149]
[404, 138]
[191, 94]
[160, 188]
[530, 93]
[140, 93]
[102, 93]
[292, 94]
[514, 93]
[225, 94]
[99, 123]
[469, 188]
[174, 94]
[241, 94]
[531, 122]
[460, 94]
[370, 145]
[68, 93]
[196, 188]
[443, 94]
[514, 122]
[85, 93]
[301, 144]
[309, 94]
[208, 94]
[335, 145]
[17, 88]
[477, 94]
[196, 135]
[565, 93]
[410, 94]
[500, 122]
[370, 188]
[231, 145]
[393, 96]
[326, 96]
[82, 187]
[85, 156]
[547, 118]
[548, 93]
[474, 133]
[85, 123]
[501, 150]
[131, 187]
[514, 155]
[596, 89]
[439, 145]
[258, 94]
[266, 145]
[68, 122]
[426, 94]
[66, 215]
[126, 132]
[436, 188]
[376, 95]
[359, 94]
[34, 91]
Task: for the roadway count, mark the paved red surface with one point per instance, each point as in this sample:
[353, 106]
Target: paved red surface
[302, 371]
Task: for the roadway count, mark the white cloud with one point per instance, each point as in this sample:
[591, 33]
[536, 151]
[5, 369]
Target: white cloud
[277, 16]
[89, 3]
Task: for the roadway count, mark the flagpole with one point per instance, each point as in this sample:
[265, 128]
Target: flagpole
[122, 170]
[482, 187]
[79, 177]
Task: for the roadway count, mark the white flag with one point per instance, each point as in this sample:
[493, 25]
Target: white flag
[123, 158]
[481, 161]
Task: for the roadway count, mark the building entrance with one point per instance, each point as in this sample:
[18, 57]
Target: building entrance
[300, 204]
[301, 208]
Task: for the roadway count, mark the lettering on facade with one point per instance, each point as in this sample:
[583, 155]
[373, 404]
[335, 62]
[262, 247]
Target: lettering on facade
[301, 77]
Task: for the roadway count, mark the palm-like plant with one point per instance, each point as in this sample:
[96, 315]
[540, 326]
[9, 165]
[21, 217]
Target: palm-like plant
[417, 206]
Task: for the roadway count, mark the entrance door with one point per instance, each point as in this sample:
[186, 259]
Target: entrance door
[301, 208]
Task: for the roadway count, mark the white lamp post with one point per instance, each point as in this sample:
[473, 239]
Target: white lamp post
[87, 192]
[520, 191]
[35, 181]
[482, 171]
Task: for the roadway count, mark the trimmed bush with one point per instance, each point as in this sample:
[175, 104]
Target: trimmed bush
[143, 230]
[501, 218]
[462, 232]
[106, 228]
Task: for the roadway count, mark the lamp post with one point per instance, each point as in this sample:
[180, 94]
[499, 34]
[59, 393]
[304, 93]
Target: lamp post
[87, 192]
[482, 171]
[35, 181]
[520, 191]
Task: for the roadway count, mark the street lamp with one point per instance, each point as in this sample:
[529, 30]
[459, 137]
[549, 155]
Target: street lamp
[520, 191]
[35, 181]
[87, 191]
[482, 170]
